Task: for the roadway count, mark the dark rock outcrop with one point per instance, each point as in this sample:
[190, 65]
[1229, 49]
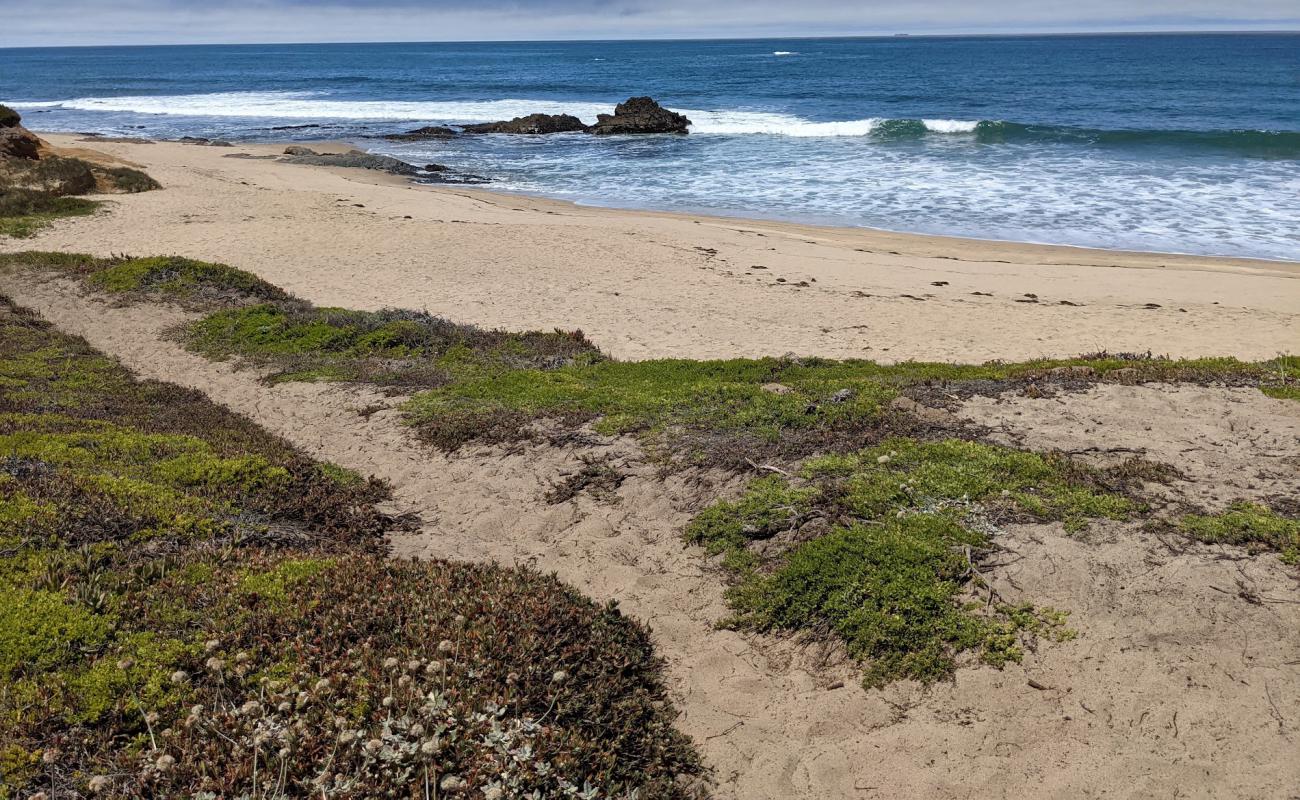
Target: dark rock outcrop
[9, 118]
[532, 124]
[421, 134]
[205, 141]
[357, 159]
[15, 140]
[640, 115]
[353, 158]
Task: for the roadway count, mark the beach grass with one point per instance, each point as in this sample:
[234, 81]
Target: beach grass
[189, 606]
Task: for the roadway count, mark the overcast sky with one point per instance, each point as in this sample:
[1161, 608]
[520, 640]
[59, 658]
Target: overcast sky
[79, 22]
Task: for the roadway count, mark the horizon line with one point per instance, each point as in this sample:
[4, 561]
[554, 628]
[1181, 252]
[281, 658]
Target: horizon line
[669, 38]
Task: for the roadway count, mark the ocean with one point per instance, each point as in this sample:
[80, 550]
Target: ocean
[1179, 143]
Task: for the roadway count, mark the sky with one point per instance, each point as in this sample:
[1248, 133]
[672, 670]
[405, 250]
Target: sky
[91, 22]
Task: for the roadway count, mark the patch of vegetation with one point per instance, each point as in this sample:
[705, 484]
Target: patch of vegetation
[37, 188]
[126, 180]
[389, 347]
[883, 549]
[191, 608]
[24, 212]
[1251, 525]
[193, 284]
[729, 412]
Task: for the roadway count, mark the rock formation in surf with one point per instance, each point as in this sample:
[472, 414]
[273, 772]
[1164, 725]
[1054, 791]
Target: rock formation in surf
[640, 115]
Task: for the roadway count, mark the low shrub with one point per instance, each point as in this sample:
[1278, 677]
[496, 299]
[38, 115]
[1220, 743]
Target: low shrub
[24, 213]
[883, 549]
[389, 347]
[191, 283]
[125, 180]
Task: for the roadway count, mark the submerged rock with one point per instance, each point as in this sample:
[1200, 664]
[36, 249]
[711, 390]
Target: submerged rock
[532, 124]
[640, 115]
[421, 134]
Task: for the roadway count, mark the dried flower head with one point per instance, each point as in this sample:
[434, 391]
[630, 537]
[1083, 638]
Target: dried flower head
[451, 783]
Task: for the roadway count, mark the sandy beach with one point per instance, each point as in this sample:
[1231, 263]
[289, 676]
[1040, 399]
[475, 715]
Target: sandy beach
[1182, 680]
[649, 285]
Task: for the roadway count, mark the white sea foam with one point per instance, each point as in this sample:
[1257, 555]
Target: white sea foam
[950, 125]
[784, 53]
[312, 105]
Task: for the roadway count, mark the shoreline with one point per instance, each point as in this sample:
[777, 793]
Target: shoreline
[647, 284]
[1095, 255]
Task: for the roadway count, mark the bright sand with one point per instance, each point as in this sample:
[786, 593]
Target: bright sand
[647, 285]
[1183, 680]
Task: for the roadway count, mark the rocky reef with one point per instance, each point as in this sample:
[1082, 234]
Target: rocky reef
[532, 124]
[358, 159]
[635, 116]
[640, 115]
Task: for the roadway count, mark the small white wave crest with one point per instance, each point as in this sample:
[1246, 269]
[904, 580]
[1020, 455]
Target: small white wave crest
[950, 125]
[758, 122]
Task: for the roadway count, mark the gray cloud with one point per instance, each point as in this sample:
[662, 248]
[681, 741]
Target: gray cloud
[39, 22]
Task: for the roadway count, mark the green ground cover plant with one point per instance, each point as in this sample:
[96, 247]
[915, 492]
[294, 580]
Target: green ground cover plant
[727, 413]
[389, 347]
[883, 554]
[198, 285]
[189, 607]
[1251, 525]
[882, 549]
[24, 212]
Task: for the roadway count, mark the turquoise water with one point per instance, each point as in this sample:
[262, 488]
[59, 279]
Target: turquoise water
[1183, 143]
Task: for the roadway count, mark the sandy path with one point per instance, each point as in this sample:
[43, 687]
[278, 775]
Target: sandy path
[1175, 687]
[655, 285]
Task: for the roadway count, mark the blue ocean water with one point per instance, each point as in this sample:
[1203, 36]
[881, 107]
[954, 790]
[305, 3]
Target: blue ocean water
[1181, 143]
